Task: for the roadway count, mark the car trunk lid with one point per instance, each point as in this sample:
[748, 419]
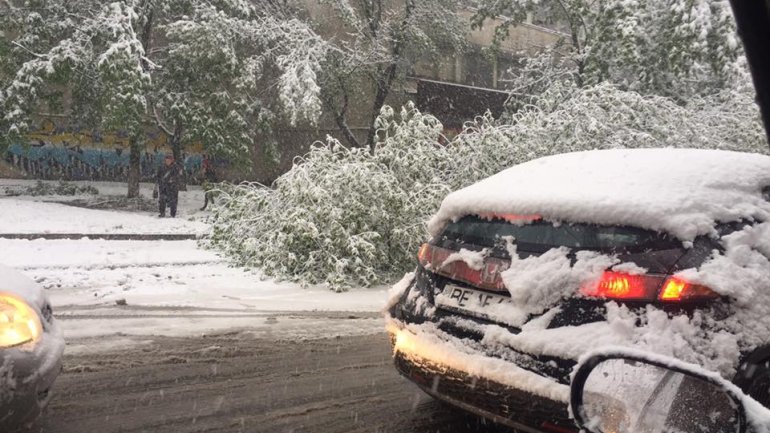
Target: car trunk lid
[472, 254]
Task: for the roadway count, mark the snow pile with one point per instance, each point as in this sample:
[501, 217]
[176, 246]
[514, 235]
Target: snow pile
[397, 290]
[349, 217]
[474, 259]
[692, 339]
[536, 283]
[680, 191]
[741, 272]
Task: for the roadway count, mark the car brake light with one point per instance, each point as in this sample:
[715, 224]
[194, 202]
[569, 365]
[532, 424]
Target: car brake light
[510, 217]
[423, 255]
[488, 277]
[677, 289]
[622, 286]
[672, 290]
[612, 285]
[627, 287]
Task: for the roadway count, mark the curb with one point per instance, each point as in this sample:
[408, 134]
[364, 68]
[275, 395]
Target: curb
[105, 236]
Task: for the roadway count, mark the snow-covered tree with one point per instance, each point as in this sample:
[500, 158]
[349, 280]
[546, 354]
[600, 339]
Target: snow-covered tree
[668, 47]
[100, 48]
[212, 84]
[382, 40]
[32, 75]
[343, 215]
[194, 68]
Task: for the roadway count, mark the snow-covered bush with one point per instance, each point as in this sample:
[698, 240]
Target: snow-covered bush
[603, 117]
[355, 216]
[342, 216]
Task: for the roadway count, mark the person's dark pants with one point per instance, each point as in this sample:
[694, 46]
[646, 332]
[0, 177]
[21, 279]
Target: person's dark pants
[168, 198]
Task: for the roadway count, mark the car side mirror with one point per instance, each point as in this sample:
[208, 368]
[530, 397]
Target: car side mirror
[631, 393]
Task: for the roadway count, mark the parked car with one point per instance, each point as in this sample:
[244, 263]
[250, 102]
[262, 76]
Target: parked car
[31, 348]
[627, 391]
[665, 250]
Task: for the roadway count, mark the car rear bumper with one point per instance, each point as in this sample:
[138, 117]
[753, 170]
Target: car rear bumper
[27, 375]
[501, 403]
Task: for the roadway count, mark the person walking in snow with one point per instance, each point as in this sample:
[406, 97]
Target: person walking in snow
[169, 177]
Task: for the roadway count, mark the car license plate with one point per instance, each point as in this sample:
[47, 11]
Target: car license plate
[469, 301]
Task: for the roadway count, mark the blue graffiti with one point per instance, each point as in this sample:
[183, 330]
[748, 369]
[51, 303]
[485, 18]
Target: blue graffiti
[48, 161]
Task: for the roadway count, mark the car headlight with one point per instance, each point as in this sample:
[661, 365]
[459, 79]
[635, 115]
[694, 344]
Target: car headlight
[19, 323]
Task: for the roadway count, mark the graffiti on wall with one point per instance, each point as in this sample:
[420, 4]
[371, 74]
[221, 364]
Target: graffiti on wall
[69, 153]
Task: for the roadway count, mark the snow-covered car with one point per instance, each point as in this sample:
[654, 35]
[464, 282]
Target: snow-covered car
[31, 348]
[663, 250]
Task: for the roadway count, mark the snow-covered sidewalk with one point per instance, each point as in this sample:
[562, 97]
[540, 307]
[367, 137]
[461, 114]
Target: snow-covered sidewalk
[124, 288]
[21, 216]
[50, 213]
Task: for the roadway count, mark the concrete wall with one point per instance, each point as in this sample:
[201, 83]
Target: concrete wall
[478, 68]
[524, 37]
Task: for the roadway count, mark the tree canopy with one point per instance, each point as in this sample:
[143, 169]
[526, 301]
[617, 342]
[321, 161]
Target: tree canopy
[672, 48]
[198, 70]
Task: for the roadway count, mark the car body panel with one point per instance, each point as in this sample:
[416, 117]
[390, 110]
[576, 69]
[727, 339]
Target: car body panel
[27, 372]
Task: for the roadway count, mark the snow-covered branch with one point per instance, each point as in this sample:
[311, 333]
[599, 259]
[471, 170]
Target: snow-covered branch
[350, 217]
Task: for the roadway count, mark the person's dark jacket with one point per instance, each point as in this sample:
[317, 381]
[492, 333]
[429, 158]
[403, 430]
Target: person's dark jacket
[169, 178]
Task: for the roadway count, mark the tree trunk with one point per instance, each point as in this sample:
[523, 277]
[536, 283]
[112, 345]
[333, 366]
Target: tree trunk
[340, 116]
[383, 89]
[134, 156]
[175, 141]
[385, 80]
[342, 123]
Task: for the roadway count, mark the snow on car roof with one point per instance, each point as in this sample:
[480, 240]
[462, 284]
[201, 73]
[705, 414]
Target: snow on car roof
[683, 192]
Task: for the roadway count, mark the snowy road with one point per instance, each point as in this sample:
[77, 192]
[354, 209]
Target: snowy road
[163, 336]
[104, 288]
[237, 383]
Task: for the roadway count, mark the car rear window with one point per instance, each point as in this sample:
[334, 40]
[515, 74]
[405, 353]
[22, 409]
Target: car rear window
[540, 235]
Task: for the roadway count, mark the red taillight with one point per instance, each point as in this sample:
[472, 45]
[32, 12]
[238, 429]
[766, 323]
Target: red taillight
[488, 277]
[510, 217]
[672, 290]
[676, 289]
[423, 256]
[612, 285]
[622, 286]
[626, 287]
